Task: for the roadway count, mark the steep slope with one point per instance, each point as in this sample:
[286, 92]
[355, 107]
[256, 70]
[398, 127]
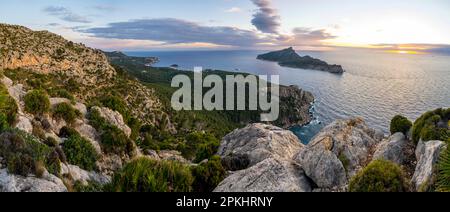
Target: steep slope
[26, 53]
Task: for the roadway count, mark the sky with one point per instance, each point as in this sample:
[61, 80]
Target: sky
[404, 25]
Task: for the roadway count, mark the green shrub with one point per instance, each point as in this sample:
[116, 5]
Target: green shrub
[199, 146]
[3, 122]
[80, 152]
[400, 124]
[8, 107]
[207, 176]
[62, 93]
[92, 187]
[117, 104]
[145, 175]
[114, 140]
[67, 112]
[427, 127]
[25, 155]
[379, 176]
[37, 102]
[443, 181]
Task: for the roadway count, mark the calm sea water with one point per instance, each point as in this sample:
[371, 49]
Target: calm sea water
[376, 86]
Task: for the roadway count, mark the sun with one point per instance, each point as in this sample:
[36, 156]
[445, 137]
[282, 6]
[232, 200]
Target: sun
[403, 52]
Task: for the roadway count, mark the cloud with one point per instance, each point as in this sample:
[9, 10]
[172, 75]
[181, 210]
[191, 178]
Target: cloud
[266, 19]
[305, 36]
[106, 8]
[234, 10]
[176, 31]
[65, 14]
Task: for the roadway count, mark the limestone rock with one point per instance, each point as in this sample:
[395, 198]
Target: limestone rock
[114, 118]
[248, 146]
[338, 152]
[24, 124]
[428, 154]
[15, 183]
[83, 176]
[395, 149]
[270, 175]
[171, 155]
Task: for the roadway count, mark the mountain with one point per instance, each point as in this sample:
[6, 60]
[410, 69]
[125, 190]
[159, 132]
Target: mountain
[289, 58]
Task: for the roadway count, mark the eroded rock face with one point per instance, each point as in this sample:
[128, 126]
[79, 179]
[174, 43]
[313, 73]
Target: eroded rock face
[338, 152]
[264, 155]
[395, 149]
[248, 146]
[427, 155]
[15, 183]
[114, 118]
[270, 175]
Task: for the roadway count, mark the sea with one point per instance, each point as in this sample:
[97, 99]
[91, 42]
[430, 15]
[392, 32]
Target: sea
[376, 86]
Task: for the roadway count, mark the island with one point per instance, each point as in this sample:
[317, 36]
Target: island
[289, 58]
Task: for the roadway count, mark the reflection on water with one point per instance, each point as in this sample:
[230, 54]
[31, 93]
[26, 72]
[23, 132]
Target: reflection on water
[376, 86]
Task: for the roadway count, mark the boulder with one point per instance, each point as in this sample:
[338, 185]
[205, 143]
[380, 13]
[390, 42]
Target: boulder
[395, 149]
[83, 176]
[114, 118]
[427, 156]
[24, 123]
[338, 152]
[90, 133]
[270, 175]
[246, 147]
[16, 183]
[171, 155]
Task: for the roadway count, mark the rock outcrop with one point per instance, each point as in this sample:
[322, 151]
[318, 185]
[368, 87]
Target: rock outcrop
[270, 175]
[295, 105]
[338, 152]
[263, 155]
[427, 155]
[15, 183]
[396, 149]
[114, 118]
[246, 147]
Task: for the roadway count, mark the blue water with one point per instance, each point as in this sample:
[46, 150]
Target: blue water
[376, 86]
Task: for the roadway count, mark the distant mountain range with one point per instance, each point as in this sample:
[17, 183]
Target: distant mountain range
[289, 58]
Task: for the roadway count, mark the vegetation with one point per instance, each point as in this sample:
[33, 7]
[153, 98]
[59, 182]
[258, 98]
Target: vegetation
[400, 124]
[80, 152]
[433, 125]
[379, 176]
[207, 176]
[37, 102]
[443, 181]
[67, 112]
[145, 175]
[25, 155]
[8, 108]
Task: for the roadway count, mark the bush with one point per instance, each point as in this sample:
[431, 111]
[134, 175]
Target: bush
[117, 104]
[80, 152]
[62, 93]
[115, 141]
[428, 126]
[199, 146]
[37, 102]
[400, 124]
[25, 155]
[379, 176]
[443, 179]
[207, 176]
[3, 122]
[8, 107]
[67, 112]
[145, 175]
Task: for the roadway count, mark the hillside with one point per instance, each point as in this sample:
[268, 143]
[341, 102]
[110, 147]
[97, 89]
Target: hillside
[289, 58]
